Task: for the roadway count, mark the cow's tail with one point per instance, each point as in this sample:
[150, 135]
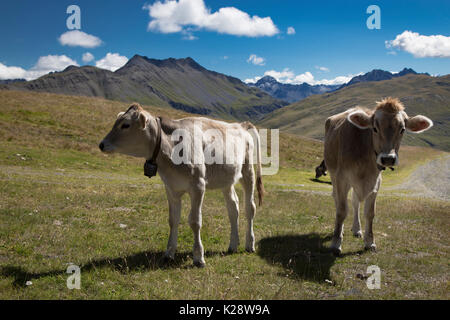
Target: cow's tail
[259, 183]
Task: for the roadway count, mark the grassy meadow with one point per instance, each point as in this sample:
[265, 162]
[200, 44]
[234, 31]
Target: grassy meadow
[63, 202]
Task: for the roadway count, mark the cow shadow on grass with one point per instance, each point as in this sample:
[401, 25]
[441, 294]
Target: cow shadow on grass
[141, 261]
[320, 181]
[302, 256]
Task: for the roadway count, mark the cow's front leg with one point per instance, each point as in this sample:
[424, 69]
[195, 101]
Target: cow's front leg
[369, 213]
[195, 221]
[356, 228]
[340, 199]
[174, 200]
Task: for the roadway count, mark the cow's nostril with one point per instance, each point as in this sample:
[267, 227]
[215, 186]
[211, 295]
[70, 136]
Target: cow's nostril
[388, 161]
[101, 146]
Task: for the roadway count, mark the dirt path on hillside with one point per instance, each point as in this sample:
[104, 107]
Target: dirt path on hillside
[431, 180]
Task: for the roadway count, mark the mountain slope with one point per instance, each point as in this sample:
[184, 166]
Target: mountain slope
[290, 92]
[178, 83]
[421, 94]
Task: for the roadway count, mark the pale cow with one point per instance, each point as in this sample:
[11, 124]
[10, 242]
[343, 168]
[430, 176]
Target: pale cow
[359, 144]
[137, 133]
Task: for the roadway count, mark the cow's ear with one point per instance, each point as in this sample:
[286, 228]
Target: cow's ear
[360, 119]
[143, 120]
[418, 124]
[120, 114]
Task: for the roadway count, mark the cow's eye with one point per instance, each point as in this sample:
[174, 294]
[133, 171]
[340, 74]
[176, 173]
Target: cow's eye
[125, 125]
[402, 130]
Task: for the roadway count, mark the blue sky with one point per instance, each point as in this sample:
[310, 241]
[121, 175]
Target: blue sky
[331, 37]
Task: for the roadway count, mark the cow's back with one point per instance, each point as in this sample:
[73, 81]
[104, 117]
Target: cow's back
[217, 175]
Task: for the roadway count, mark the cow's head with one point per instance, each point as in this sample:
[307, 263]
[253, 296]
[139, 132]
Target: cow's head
[130, 134]
[388, 123]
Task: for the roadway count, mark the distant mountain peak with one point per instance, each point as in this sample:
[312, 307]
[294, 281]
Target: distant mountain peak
[406, 71]
[290, 92]
[192, 63]
[71, 67]
[136, 60]
[141, 61]
[266, 79]
[380, 75]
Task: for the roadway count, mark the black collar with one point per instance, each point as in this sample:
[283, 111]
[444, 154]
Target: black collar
[150, 166]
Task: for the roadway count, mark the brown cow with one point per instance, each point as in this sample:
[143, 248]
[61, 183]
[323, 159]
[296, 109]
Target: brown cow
[359, 144]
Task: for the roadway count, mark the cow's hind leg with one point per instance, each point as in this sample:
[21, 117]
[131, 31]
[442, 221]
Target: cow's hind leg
[174, 200]
[232, 202]
[195, 221]
[356, 228]
[248, 183]
[340, 192]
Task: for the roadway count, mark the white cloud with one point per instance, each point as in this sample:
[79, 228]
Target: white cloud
[112, 61]
[87, 57]
[435, 46]
[54, 63]
[43, 66]
[173, 16]
[48, 64]
[338, 80]
[11, 72]
[324, 69]
[289, 77]
[290, 30]
[79, 38]
[188, 35]
[259, 61]
[252, 80]
[281, 76]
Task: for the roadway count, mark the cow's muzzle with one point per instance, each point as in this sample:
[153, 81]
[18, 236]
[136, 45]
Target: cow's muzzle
[388, 160]
[106, 147]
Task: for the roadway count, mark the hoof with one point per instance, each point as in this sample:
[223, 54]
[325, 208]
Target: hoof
[232, 250]
[372, 247]
[167, 260]
[199, 264]
[336, 251]
[250, 250]
[358, 234]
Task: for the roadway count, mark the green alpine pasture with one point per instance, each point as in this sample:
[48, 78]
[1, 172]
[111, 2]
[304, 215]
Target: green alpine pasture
[63, 202]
